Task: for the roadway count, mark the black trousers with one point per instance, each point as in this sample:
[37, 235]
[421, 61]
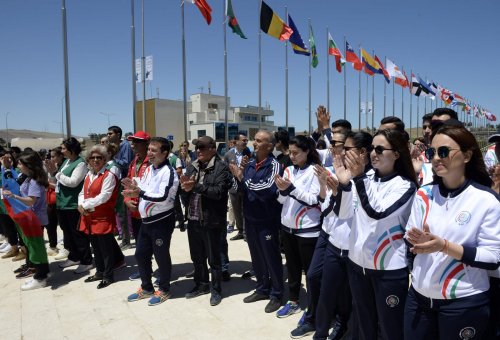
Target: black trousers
[205, 244]
[76, 242]
[136, 225]
[237, 203]
[52, 226]
[104, 255]
[298, 253]
[9, 229]
[493, 332]
[154, 238]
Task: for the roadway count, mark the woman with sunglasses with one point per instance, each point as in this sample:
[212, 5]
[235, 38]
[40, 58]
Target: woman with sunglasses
[327, 276]
[455, 234]
[377, 270]
[96, 204]
[300, 219]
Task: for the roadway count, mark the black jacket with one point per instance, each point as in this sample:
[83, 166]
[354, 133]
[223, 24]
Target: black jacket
[213, 188]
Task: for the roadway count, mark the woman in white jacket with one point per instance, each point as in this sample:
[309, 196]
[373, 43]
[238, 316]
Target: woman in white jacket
[377, 270]
[455, 233]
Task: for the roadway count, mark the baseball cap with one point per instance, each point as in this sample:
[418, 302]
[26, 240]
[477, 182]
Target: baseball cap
[494, 138]
[140, 135]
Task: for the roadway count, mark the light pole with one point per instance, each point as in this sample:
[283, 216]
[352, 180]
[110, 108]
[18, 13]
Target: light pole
[107, 114]
[7, 128]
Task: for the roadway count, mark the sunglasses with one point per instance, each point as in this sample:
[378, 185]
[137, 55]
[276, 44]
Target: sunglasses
[96, 158]
[379, 149]
[336, 143]
[347, 148]
[202, 147]
[442, 152]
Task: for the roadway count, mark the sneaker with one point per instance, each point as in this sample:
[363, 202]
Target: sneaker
[125, 245]
[135, 276]
[19, 257]
[302, 331]
[248, 274]
[52, 251]
[139, 295]
[288, 309]
[83, 268]
[230, 229]
[27, 273]
[254, 297]
[337, 331]
[68, 263]
[190, 274]
[63, 255]
[5, 246]
[120, 265]
[238, 236]
[273, 305]
[2, 238]
[302, 318]
[34, 284]
[197, 291]
[12, 252]
[215, 298]
[21, 269]
[159, 297]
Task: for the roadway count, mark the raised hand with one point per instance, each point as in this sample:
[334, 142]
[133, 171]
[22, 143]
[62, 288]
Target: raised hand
[342, 172]
[424, 242]
[323, 118]
[236, 171]
[354, 163]
[282, 183]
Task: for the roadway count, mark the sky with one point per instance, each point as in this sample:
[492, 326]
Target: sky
[453, 43]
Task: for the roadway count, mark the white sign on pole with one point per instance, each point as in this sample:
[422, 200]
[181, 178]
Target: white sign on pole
[149, 67]
[138, 70]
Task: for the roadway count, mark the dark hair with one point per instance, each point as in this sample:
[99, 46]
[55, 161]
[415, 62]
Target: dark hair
[9, 152]
[34, 163]
[420, 139]
[72, 145]
[283, 137]
[321, 145]
[58, 152]
[164, 143]
[116, 129]
[345, 124]
[475, 168]
[403, 164]
[400, 125]
[112, 149]
[307, 144]
[427, 116]
[16, 149]
[406, 136]
[441, 111]
[362, 140]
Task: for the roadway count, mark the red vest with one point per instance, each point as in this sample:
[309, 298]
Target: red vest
[102, 220]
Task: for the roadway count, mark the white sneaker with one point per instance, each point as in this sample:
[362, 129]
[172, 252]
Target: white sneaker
[63, 255]
[68, 263]
[83, 268]
[2, 238]
[6, 247]
[52, 251]
[34, 284]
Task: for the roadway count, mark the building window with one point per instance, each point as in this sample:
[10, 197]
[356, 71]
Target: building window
[250, 118]
[213, 106]
[202, 133]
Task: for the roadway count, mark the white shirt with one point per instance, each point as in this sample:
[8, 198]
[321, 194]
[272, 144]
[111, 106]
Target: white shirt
[108, 185]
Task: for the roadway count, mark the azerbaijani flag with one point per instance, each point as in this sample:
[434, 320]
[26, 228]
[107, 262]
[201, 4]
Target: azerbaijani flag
[335, 51]
[351, 57]
[29, 228]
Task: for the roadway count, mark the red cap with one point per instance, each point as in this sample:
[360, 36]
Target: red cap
[140, 135]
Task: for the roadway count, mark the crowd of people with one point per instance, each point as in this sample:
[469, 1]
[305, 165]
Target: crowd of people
[397, 239]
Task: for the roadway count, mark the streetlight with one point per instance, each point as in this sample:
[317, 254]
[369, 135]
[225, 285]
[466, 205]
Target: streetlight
[107, 114]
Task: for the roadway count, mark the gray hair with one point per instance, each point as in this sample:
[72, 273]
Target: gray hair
[270, 136]
[100, 149]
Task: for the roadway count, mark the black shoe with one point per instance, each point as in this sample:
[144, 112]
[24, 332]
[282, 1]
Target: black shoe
[125, 245]
[226, 276]
[215, 298]
[248, 274]
[21, 269]
[337, 331]
[238, 236]
[120, 237]
[273, 305]
[255, 297]
[27, 273]
[190, 274]
[93, 278]
[197, 291]
[104, 284]
[302, 331]
[182, 227]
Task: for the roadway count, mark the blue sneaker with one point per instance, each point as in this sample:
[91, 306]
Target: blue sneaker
[139, 295]
[302, 318]
[230, 229]
[159, 297]
[288, 309]
[302, 331]
[135, 276]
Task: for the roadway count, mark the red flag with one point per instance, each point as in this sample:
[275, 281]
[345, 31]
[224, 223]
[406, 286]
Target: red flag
[351, 57]
[384, 71]
[204, 8]
[402, 82]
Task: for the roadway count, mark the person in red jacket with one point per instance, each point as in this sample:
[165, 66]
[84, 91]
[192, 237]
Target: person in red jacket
[96, 204]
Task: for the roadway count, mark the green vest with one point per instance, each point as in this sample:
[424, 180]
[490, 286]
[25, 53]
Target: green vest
[67, 198]
[119, 207]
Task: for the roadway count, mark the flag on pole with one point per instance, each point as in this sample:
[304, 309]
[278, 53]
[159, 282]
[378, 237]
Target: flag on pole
[314, 53]
[458, 100]
[204, 8]
[426, 90]
[335, 51]
[370, 65]
[384, 71]
[232, 22]
[446, 95]
[351, 57]
[271, 23]
[416, 88]
[395, 72]
[298, 45]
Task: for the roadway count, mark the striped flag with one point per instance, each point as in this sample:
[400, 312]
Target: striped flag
[298, 45]
[335, 51]
[314, 53]
[271, 23]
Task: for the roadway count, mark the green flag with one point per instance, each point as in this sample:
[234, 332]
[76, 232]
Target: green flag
[232, 22]
[314, 54]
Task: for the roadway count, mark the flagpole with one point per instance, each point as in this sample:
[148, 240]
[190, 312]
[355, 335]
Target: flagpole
[366, 97]
[359, 96]
[66, 73]
[418, 112]
[385, 88]
[226, 98]
[310, 62]
[184, 91]
[373, 98]
[260, 69]
[411, 98]
[286, 73]
[143, 73]
[345, 83]
[327, 74]
[132, 39]
[403, 97]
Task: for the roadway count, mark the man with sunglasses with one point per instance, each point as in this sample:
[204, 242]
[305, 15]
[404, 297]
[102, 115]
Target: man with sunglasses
[492, 156]
[205, 187]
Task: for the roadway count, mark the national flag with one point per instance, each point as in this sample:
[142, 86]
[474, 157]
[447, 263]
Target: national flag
[446, 95]
[232, 22]
[384, 71]
[204, 8]
[272, 24]
[416, 87]
[351, 57]
[403, 82]
[467, 108]
[393, 70]
[370, 65]
[426, 90]
[433, 88]
[298, 45]
[335, 51]
[29, 228]
[475, 111]
[314, 53]
[458, 100]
